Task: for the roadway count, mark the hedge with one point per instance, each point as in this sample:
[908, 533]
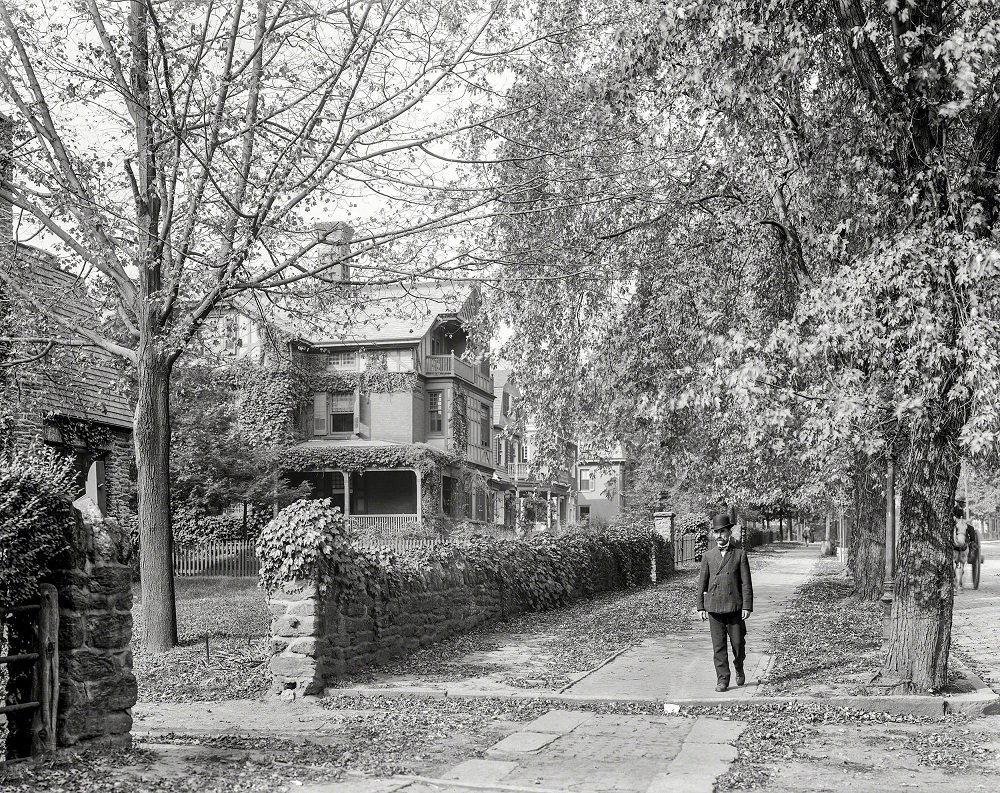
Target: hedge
[309, 540]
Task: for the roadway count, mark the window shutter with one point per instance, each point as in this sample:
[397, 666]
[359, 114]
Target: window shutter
[319, 414]
[357, 412]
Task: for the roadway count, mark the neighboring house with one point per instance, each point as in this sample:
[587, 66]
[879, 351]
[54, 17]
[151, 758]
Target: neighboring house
[542, 501]
[601, 484]
[396, 423]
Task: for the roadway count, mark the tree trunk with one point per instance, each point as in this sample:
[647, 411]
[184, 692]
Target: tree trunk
[866, 559]
[920, 629]
[152, 457]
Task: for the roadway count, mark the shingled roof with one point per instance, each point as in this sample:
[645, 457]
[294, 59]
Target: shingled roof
[388, 315]
[80, 383]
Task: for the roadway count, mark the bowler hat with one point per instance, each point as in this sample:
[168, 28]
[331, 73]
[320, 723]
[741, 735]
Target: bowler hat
[721, 521]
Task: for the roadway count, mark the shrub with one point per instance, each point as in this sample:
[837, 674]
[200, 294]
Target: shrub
[192, 526]
[35, 517]
[294, 543]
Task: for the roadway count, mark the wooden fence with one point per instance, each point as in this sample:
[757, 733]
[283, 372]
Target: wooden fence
[235, 559]
[41, 695]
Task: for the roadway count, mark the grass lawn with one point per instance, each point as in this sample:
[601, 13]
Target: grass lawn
[231, 613]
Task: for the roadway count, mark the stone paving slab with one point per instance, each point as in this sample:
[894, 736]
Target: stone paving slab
[607, 753]
[559, 721]
[482, 771]
[523, 741]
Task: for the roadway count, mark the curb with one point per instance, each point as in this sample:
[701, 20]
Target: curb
[983, 701]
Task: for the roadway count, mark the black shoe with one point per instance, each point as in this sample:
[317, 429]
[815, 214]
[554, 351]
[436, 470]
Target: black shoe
[741, 678]
[722, 686]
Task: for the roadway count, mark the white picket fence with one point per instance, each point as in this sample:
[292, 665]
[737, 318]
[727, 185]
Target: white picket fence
[236, 559]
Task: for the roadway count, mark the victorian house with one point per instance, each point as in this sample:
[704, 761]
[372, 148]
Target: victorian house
[394, 413]
[543, 496]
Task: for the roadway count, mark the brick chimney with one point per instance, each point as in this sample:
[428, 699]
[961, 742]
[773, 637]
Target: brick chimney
[335, 243]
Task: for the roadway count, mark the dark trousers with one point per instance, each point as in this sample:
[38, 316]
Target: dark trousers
[730, 625]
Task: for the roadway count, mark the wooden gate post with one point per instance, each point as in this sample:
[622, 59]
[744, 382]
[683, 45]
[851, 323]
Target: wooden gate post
[46, 675]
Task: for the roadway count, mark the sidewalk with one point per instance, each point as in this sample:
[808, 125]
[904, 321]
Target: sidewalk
[679, 666]
[565, 749]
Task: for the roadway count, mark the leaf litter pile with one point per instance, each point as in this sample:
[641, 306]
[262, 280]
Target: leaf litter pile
[233, 615]
[825, 637]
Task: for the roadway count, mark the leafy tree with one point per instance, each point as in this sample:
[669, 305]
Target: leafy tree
[840, 174]
[179, 152]
[214, 465]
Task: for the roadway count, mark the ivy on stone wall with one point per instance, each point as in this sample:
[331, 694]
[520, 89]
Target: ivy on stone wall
[310, 542]
[81, 433]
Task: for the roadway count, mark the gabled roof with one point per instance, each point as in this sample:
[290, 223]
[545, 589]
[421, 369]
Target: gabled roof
[80, 383]
[389, 315]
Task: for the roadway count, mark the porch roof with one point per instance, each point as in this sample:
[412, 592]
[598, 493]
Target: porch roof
[357, 454]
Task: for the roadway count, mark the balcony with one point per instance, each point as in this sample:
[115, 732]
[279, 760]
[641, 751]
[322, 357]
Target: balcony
[479, 455]
[450, 366]
[522, 472]
[519, 471]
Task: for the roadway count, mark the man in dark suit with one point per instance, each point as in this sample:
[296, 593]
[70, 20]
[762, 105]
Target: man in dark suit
[725, 599]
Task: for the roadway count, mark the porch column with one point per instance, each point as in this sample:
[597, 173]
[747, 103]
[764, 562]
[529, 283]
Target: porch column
[420, 511]
[347, 493]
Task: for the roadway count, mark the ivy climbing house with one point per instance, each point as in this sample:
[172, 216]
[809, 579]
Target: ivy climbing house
[396, 415]
[540, 498]
[70, 397]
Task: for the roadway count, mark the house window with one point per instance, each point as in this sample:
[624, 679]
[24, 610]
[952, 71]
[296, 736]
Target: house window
[584, 514]
[399, 360]
[522, 452]
[485, 425]
[341, 413]
[435, 411]
[319, 414]
[586, 482]
[342, 361]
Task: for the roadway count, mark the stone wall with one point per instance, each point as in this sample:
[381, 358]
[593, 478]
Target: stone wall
[316, 640]
[96, 687]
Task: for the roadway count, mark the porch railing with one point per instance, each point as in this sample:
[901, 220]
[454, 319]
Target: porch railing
[519, 470]
[399, 532]
[450, 365]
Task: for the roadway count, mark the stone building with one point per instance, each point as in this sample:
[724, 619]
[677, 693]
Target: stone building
[72, 397]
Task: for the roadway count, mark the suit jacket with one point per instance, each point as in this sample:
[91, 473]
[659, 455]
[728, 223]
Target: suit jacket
[724, 585]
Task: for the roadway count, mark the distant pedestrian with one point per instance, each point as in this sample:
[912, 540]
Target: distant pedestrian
[725, 599]
[807, 535]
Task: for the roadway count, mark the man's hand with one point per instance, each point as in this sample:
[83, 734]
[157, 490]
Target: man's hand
[703, 614]
[745, 615]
